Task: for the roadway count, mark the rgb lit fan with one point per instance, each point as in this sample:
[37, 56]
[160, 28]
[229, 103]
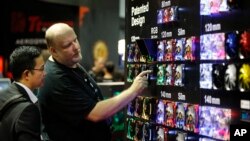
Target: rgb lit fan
[149, 132]
[214, 122]
[212, 46]
[138, 130]
[131, 108]
[160, 50]
[168, 53]
[178, 75]
[179, 49]
[174, 135]
[152, 103]
[160, 16]
[138, 106]
[245, 45]
[168, 14]
[130, 128]
[169, 113]
[130, 49]
[146, 132]
[206, 76]
[230, 77]
[208, 7]
[160, 112]
[169, 75]
[161, 133]
[191, 123]
[189, 48]
[146, 108]
[130, 70]
[137, 54]
[244, 77]
[231, 45]
[160, 75]
[180, 115]
[148, 111]
[218, 76]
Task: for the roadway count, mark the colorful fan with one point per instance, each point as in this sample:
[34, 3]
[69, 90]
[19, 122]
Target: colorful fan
[230, 77]
[244, 77]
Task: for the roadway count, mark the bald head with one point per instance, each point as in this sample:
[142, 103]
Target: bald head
[63, 44]
[56, 31]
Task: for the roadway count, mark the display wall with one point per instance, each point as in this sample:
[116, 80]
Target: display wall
[199, 51]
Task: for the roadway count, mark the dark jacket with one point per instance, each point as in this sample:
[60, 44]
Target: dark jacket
[21, 122]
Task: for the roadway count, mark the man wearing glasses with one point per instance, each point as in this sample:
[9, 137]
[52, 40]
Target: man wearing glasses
[21, 121]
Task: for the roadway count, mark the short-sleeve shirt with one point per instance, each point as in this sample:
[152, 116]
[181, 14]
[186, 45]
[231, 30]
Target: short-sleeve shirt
[67, 97]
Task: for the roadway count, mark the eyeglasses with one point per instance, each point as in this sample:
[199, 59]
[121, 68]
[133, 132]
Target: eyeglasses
[41, 69]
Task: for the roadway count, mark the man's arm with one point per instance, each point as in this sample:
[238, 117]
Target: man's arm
[109, 107]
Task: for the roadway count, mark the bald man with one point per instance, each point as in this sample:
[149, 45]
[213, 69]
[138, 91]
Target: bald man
[72, 105]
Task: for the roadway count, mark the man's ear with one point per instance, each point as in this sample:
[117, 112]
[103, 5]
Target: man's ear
[52, 50]
[25, 74]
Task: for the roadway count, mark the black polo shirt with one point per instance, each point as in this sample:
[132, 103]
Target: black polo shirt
[68, 95]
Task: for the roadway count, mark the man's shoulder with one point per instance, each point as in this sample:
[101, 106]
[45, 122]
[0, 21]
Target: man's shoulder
[9, 92]
[56, 79]
[55, 70]
[11, 96]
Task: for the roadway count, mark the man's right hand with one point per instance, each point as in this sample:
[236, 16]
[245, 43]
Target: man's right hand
[140, 82]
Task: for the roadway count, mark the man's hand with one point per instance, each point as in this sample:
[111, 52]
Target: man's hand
[140, 82]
